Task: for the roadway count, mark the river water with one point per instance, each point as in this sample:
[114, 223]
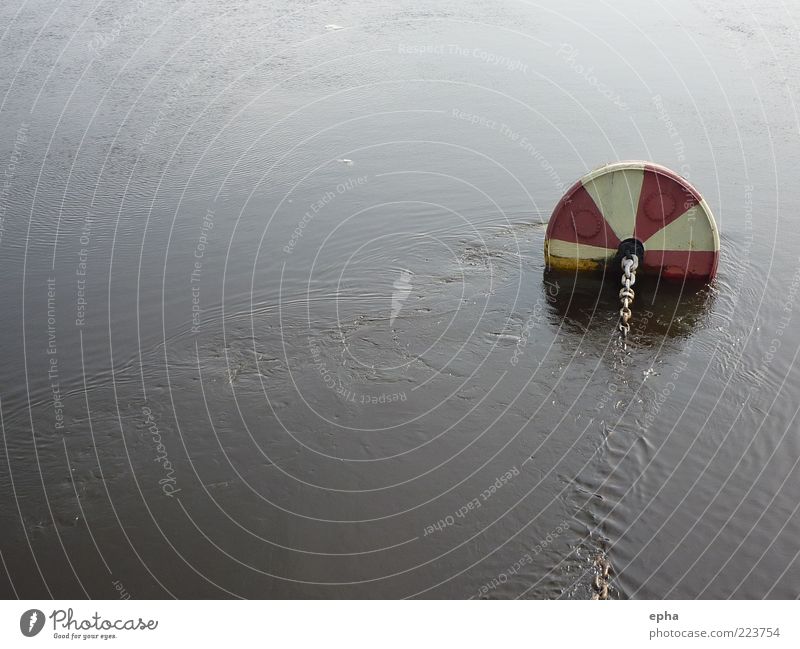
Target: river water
[277, 324]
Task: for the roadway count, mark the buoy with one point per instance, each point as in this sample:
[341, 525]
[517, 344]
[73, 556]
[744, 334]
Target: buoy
[634, 207]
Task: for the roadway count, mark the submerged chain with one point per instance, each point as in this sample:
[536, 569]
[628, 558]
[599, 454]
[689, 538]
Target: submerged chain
[629, 265]
[602, 578]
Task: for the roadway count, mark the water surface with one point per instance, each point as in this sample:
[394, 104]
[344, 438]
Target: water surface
[277, 324]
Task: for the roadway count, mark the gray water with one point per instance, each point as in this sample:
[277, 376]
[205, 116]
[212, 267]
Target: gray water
[276, 321]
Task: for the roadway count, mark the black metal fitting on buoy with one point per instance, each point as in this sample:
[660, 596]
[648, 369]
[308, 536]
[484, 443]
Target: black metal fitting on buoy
[627, 248]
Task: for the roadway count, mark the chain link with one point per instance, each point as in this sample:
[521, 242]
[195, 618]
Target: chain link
[629, 265]
[602, 577]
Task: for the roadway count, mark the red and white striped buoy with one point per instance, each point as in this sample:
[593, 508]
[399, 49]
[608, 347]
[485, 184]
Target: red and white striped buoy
[641, 204]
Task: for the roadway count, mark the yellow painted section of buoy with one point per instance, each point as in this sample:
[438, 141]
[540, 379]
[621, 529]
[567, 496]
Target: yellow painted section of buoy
[566, 255]
[687, 232]
[616, 190]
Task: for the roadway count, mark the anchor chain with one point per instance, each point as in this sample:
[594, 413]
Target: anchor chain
[630, 263]
[601, 578]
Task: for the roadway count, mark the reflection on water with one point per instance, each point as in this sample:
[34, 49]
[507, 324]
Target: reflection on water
[587, 304]
[277, 322]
